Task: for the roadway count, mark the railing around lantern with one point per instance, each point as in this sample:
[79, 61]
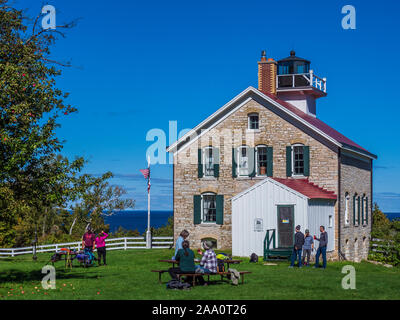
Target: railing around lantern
[300, 80]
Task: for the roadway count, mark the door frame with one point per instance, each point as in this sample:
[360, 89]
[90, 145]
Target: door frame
[277, 219]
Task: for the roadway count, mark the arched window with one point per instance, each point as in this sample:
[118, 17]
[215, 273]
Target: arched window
[208, 207]
[364, 209]
[253, 121]
[346, 209]
[213, 241]
[356, 209]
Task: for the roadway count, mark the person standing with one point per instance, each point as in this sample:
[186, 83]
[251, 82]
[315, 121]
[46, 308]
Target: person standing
[185, 257]
[88, 241]
[298, 247]
[307, 247]
[182, 237]
[323, 243]
[101, 247]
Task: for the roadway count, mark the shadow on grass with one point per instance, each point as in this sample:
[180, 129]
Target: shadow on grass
[13, 275]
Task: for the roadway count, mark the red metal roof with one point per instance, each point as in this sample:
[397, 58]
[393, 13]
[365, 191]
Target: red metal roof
[317, 123]
[307, 188]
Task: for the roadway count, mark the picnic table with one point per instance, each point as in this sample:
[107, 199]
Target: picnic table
[222, 274]
[68, 254]
[227, 261]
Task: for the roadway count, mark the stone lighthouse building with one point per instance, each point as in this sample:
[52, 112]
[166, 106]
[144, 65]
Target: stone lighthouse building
[264, 163]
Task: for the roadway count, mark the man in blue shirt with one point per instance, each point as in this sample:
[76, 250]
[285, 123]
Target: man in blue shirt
[307, 247]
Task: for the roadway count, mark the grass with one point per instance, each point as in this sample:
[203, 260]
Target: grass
[128, 276]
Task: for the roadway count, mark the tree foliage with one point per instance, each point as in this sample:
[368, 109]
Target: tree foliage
[35, 179]
[385, 238]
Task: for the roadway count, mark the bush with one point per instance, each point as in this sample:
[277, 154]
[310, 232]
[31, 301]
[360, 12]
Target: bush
[387, 250]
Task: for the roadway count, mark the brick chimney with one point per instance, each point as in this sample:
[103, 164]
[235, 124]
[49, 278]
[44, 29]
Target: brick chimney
[267, 70]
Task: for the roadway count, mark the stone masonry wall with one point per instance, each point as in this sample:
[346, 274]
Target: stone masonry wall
[274, 131]
[355, 178]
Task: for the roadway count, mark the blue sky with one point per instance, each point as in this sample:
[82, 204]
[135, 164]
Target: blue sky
[138, 65]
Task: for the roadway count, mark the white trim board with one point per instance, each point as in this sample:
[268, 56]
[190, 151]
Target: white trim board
[173, 147]
[267, 179]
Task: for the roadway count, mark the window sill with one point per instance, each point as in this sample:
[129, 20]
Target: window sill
[251, 178]
[298, 176]
[253, 130]
[208, 178]
[208, 224]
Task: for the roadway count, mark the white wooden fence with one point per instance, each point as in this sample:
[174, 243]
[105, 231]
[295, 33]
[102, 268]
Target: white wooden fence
[380, 245]
[112, 244]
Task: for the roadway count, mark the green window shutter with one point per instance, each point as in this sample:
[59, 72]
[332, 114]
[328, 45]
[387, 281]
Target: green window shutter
[366, 210]
[234, 164]
[197, 209]
[270, 162]
[220, 209]
[358, 206]
[306, 155]
[354, 210]
[216, 162]
[252, 161]
[200, 163]
[288, 161]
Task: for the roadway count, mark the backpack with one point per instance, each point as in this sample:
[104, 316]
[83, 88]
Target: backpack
[55, 257]
[253, 257]
[175, 284]
[220, 265]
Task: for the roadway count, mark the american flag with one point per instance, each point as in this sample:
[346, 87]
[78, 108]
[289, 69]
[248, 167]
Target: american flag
[146, 174]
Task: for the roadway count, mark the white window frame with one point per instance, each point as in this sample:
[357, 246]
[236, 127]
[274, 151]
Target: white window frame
[293, 173]
[239, 156]
[364, 202]
[205, 149]
[202, 208]
[261, 146]
[330, 221]
[248, 121]
[346, 209]
[357, 222]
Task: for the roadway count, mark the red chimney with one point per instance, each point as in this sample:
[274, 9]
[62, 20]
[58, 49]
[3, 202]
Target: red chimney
[267, 70]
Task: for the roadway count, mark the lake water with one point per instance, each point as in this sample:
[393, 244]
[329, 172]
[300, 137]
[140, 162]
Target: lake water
[393, 215]
[132, 220]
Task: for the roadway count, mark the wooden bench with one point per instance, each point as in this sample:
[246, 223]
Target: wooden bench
[194, 275]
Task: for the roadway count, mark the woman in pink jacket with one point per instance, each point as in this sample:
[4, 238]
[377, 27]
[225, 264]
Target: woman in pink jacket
[101, 247]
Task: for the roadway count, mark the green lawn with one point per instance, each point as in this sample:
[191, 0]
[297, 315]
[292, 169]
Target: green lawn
[128, 276]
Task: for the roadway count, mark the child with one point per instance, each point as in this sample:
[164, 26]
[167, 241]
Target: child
[101, 247]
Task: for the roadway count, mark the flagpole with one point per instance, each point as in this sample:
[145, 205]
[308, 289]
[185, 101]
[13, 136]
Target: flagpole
[148, 233]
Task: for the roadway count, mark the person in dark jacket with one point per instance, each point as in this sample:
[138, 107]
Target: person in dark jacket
[298, 247]
[323, 243]
[185, 257]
